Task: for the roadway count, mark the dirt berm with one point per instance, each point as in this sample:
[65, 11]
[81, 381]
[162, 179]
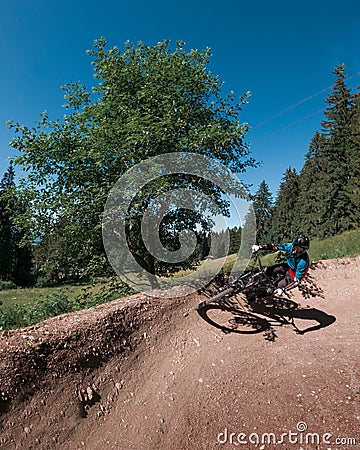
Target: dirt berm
[146, 373]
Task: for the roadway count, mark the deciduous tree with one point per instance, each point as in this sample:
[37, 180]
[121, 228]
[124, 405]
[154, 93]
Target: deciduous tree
[148, 101]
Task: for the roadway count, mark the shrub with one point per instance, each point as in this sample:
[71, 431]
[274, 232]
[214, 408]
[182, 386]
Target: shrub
[7, 285]
[20, 315]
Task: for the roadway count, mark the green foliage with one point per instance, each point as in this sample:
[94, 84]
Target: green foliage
[217, 241]
[20, 315]
[16, 257]
[286, 220]
[149, 100]
[324, 199]
[311, 204]
[235, 239]
[353, 185]
[263, 205]
[5, 285]
[337, 155]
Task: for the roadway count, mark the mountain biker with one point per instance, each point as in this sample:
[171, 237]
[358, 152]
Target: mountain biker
[296, 266]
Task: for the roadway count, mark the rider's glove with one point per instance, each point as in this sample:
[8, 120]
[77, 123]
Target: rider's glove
[255, 248]
[278, 292]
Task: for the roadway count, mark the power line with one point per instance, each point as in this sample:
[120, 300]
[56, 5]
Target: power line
[297, 104]
[279, 130]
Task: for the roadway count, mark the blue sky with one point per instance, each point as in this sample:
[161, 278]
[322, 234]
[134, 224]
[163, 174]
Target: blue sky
[284, 52]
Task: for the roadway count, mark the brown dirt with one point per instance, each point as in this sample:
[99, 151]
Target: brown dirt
[149, 373]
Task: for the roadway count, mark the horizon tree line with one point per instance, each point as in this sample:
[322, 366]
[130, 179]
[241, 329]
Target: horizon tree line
[322, 200]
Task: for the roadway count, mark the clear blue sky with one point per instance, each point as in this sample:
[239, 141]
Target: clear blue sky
[282, 51]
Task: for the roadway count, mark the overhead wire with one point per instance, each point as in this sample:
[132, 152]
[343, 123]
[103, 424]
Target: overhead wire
[279, 130]
[294, 106]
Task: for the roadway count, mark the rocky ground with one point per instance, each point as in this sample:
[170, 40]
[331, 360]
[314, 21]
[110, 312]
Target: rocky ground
[150, 373]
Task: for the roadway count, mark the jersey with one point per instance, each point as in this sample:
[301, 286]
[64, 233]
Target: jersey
[299, 265]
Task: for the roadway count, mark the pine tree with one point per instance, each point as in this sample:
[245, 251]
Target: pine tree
[337, 153]
[311, 188]
[353, 190]
[263, 205]
[286, 223]
[16, 258]
[235, 240]
[7, 248]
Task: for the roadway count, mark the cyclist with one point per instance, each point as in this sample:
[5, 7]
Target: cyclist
[296, 266]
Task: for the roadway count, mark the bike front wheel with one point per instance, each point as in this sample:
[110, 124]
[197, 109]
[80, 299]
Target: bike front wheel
[216, 298]
[233, 320]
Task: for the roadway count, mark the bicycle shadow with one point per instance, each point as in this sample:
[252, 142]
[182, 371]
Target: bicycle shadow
[240, 321]
[286, 316]
[265, 315]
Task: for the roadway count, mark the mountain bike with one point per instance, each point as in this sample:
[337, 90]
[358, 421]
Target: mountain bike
[236, 306]
[254, 283]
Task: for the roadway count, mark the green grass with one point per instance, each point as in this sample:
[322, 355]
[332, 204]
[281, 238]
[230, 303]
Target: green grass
[23, 307]
[31, 295]
[340, 246]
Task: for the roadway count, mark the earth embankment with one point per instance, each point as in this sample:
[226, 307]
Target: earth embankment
[150, 373]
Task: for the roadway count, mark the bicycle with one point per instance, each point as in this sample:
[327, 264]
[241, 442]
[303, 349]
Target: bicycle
[253, 283]
[236, 306]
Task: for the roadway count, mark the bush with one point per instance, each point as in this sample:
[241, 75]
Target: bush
[4, 285]
[20, 315]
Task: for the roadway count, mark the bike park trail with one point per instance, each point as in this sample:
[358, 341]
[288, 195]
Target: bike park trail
[146, 373]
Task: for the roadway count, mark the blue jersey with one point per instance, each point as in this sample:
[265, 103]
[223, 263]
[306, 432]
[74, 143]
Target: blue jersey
[299, 264]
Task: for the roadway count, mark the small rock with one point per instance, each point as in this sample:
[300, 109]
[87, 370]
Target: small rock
[89, 392]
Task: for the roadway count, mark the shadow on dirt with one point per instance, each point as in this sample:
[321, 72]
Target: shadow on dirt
[263, 317]
[229, 319]
[308, 287]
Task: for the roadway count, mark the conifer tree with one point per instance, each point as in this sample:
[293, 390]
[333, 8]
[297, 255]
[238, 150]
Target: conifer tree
[311, 188]
[7, 250]
[235, 239]
[16, 258]
[263, 207]
[285, 223]
[337, 153]
[353, 190]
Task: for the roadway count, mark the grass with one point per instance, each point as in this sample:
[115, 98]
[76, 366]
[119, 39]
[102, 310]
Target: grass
[23, 307]
[340, 246]
[54, 301]
[32, 295]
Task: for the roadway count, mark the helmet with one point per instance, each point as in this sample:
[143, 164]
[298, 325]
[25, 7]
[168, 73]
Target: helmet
[300, 244]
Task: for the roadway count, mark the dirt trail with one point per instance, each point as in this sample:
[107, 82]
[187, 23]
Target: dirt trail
[145, 373]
